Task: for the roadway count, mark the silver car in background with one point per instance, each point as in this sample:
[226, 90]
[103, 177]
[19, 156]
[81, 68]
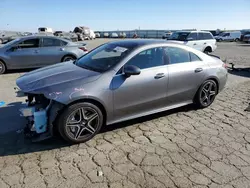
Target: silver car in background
[38, 51]
[115, 82]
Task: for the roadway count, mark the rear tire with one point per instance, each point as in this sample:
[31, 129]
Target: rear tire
[80, 122]
[237, 40]
[2, 67]
[68, 58]
[207, 50]
[206, 94]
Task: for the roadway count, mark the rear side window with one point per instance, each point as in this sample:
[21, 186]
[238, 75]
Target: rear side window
[49, 42]
[176, 55]
[194, 57]
[192, 36]
[30, 43]
[204, 36]
[147, 59]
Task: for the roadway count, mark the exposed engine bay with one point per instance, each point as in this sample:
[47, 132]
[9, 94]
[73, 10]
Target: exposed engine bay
[40, 114]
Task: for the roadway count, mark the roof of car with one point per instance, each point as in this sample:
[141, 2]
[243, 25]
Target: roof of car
[139, 42]
[39, 36]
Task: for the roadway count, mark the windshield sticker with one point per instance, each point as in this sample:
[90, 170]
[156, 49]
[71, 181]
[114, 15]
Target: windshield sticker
[120, 49]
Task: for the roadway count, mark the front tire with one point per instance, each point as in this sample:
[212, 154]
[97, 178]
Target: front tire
[206, 94]
[2, 67]
[80, 122]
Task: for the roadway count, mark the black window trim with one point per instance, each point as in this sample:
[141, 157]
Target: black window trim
[39, 43]
[42, 44]
[195, 55]
[120, 71]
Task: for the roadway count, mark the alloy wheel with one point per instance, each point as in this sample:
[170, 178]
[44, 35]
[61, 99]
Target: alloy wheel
[68, 59]
[82, 123]
[208, 93]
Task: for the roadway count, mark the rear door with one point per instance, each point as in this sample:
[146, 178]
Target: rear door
[192, 41]
[23, 54]
[205, 40]
[186, 73]
[51, 51]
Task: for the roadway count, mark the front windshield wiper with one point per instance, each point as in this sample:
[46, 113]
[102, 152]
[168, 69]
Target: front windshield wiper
[90, 68]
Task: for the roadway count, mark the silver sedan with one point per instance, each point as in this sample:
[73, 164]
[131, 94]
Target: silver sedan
[119, 81]
[38, 51]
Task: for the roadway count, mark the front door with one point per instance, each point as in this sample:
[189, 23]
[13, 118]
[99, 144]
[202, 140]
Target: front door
[23, 55]
[186, 74]
[141, 93]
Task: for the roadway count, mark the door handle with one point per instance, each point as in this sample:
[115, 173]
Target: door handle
[195, 44]
[205, 43]
[36, 51]
[198, 70]
[159, 75]
[61, 49]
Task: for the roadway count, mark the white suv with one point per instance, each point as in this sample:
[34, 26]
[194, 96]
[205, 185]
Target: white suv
[200, 40]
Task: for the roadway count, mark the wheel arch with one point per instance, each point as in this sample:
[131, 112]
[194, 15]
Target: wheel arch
[93, 101]
[69, 54]
[208, 78]
[6, 67]
[209, 48]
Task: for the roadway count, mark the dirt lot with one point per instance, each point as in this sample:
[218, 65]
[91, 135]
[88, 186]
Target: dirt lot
[180, 148]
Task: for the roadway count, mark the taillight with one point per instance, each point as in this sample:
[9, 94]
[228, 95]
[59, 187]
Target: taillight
[224, 65]
[83, 48]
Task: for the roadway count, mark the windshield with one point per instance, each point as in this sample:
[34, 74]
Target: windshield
[12, 42]
[104, 57]
[222, 34]
[181, 36]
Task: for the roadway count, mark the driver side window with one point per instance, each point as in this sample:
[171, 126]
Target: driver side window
[30, 43]
[148, 58]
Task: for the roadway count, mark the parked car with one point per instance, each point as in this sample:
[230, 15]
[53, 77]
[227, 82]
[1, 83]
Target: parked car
[45, 30]
[38, 51]
[122, 35]
[228, 36]
[118, 81]
[105, 35]
[82, 32]
[246, 38]
[243, 33]
[92, 35]
[166, 35]
[114, 35]
[66, 35]
[97, 35]
[200, 40]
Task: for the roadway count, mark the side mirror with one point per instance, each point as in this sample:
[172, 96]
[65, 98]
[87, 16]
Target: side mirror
[131, 70]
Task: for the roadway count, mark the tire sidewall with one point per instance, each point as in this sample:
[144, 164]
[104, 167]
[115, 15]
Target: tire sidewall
[65, 114]
[4, 68]
[71, 58]
[198, 95]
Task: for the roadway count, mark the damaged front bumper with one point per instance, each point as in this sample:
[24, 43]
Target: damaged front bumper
[40, 114]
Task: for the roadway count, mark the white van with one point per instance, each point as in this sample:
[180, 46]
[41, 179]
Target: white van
[45, 30]
[228, 36]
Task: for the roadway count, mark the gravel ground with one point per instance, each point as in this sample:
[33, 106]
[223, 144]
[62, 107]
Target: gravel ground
[179, 148]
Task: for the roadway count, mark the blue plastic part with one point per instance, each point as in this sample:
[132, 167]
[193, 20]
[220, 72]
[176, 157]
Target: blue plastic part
[2, 103]
[40, 119]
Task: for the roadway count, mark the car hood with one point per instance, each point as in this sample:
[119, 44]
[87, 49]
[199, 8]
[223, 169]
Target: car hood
[59, 77]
